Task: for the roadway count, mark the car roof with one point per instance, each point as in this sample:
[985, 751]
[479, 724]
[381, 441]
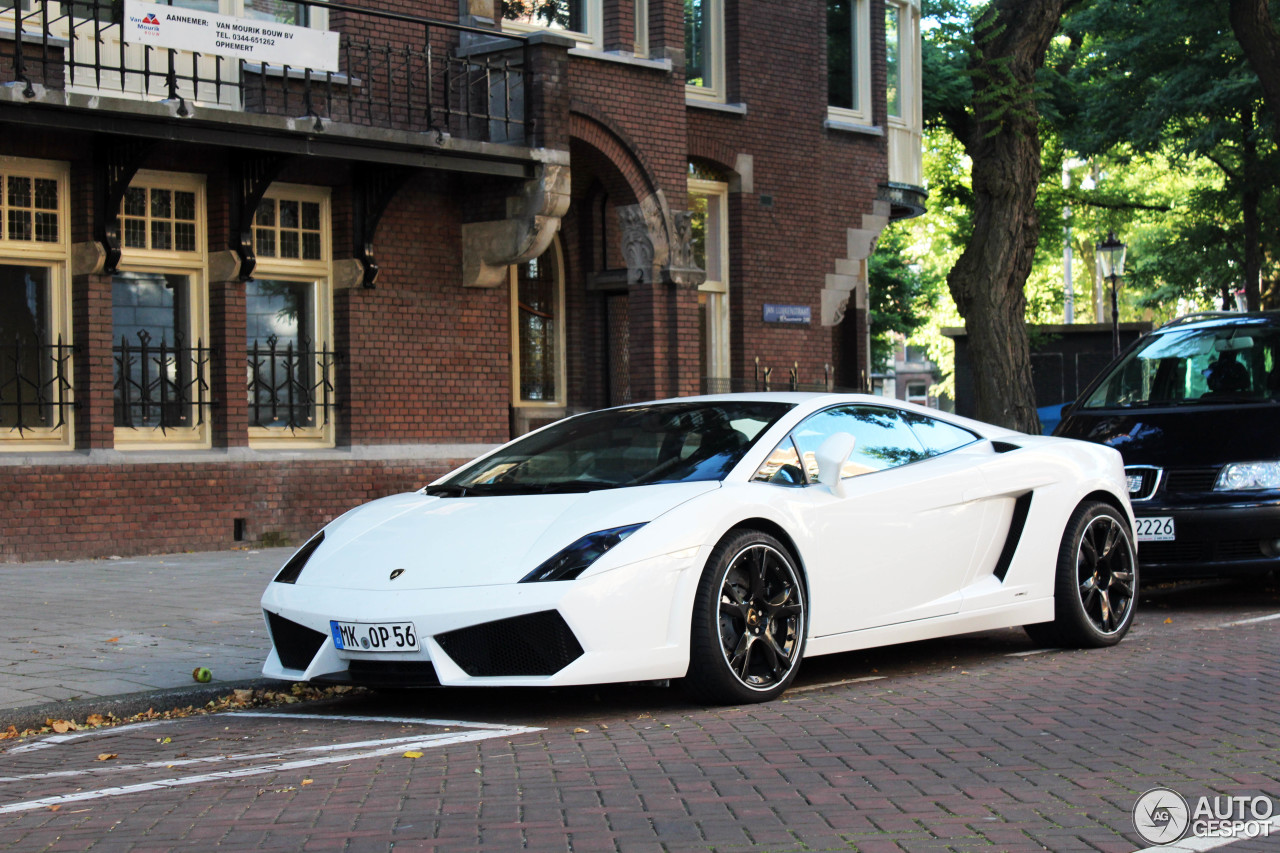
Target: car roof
[1211, 319]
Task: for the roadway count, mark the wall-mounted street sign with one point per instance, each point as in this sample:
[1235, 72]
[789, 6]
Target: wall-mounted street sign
[792, 315]
[222, 35]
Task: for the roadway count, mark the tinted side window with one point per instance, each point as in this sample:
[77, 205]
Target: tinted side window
[883, 439]
[938, 436]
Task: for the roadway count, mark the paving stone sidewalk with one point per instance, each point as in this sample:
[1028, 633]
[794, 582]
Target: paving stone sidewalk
[84, 630]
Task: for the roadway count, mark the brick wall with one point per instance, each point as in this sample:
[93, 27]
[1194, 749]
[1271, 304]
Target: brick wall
[72, 511]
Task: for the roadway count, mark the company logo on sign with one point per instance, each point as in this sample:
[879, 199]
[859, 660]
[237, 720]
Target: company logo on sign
[148, 24]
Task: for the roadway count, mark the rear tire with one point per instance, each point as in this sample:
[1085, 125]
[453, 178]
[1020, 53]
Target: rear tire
[750, 616]
[1096, 586]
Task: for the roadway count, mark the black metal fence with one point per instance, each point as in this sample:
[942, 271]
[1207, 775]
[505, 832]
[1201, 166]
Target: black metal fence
[395, 70]
[290, 387]
[160, 385]
[35, 385]
[764, 380]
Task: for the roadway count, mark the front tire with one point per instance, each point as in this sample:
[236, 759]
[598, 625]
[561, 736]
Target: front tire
[750, 616]
[1096, 587]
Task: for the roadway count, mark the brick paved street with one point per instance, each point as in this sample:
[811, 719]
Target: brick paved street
[961, 745]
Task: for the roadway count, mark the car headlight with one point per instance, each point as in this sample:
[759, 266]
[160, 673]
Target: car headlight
[1244, 476]
[574, 560]
[293, 568]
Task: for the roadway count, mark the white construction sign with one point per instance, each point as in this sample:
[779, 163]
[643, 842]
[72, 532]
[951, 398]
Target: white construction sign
[211, 34]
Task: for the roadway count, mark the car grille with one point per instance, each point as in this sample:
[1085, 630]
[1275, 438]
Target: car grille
[296, 644]
[1142, 480]
[391, 673]
[1190, 480]
[533, 644]
[1200, 552]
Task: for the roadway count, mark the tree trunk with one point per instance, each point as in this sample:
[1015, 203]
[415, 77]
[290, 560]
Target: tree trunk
[1256, 33]
[987, 282]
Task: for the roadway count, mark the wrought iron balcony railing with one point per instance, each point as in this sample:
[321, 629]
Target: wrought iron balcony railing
[396, 71]
[290, 386]
[35, 385]
[160, 385]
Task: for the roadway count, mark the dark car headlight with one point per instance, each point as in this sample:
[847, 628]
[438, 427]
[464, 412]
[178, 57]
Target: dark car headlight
[574, 560]
[293, 568]
[1248, 476]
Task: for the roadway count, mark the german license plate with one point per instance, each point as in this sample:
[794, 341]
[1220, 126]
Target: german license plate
[1156, 528]
[374, 636]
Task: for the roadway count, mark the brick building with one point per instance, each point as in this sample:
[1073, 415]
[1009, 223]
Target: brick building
[262, 260]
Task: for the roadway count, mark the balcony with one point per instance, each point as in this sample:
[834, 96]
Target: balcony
[386, 80]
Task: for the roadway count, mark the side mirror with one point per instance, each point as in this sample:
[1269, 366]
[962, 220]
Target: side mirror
[831, 457]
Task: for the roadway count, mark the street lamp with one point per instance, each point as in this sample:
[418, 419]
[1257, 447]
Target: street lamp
[1111, 262]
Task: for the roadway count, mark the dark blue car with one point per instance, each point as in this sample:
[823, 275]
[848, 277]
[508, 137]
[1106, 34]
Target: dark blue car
[1194, 408]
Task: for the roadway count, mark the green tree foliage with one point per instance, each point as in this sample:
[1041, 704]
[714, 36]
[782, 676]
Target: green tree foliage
[1167, 79]
[900, 294]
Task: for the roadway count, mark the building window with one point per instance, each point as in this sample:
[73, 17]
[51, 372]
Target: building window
[579, 19]
[709, 204]
[918, 392]
[849, 60]
[35, 310]
[159, 315]
[704, 49]
[537, 330]
[288, 320]
[893, 19]
[641, 47]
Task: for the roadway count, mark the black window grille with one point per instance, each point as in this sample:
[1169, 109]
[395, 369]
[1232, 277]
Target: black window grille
[35, 385]
[160, 385]
[290, 385]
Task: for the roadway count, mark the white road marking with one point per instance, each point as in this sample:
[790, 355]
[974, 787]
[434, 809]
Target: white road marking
[214, 759]
[1252, 621]
[806, 688]
[57, 740]
[384, 747]
[1032, 652]
[1199, 844]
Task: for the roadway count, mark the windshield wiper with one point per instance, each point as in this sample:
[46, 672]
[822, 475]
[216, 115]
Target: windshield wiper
[448, 491]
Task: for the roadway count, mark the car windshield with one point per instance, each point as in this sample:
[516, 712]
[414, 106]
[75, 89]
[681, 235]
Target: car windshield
[634, 446]
[1195, 366]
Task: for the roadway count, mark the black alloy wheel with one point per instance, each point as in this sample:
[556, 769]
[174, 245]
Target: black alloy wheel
[1096, 586]
[749, 623]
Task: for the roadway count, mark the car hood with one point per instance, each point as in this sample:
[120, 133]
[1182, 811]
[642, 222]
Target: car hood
[443, 542]
[1182, 437]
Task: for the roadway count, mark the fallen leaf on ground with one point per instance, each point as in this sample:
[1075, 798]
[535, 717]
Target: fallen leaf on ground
[413, 753]
[61, 726]
[107, 756]
[579, 731]
[54, 808]
[114, 640]
[306, 781]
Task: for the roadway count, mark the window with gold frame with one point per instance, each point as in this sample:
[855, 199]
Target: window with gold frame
[160, 315]
[537, 330]
[288, 320]
[36, 397]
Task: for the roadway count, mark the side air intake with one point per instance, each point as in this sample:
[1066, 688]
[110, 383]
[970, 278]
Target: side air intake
[533, 644]
[296, 644]
[1021, 507]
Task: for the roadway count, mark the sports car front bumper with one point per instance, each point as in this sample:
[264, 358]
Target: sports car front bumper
[627, 624]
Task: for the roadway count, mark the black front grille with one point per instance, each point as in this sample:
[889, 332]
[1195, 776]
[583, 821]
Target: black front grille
[1200, 552]
[393, 673]
[296, 644]
[1173, 552]
[1240, 549]
[534, 644]
[1190, 480]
